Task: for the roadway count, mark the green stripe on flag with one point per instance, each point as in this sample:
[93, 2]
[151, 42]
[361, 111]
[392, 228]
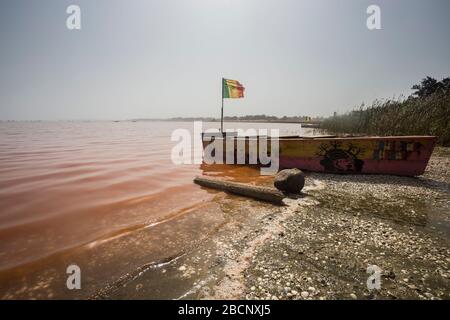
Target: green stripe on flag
[225, 89]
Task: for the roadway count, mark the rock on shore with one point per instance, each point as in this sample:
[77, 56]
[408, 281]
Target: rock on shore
[290, 180]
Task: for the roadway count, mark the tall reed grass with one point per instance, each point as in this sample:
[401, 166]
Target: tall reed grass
[412, 116]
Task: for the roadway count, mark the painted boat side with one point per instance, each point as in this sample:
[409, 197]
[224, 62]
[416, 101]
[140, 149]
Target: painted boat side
[397, 155]
[382, 155]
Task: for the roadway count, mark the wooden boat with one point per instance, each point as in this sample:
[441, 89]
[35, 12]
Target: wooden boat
[395, 155]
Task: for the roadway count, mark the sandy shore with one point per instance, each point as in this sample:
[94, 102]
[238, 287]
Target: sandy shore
[319, 246]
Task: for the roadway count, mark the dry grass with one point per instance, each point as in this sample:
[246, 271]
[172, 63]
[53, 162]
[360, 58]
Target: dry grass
[413, 116]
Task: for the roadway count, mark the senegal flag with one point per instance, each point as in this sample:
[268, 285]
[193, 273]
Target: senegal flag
[232, 89]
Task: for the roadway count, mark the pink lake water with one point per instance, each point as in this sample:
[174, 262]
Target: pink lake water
[67, 184]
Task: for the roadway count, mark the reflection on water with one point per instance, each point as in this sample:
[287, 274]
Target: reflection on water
[68, 184]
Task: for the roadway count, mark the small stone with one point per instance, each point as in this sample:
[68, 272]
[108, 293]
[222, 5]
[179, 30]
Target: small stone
[182, 268]
[353, 296]
[390, 294]
[304, 294]
[391, 274]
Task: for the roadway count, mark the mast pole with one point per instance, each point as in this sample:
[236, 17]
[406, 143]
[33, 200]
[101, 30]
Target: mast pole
[221, 117]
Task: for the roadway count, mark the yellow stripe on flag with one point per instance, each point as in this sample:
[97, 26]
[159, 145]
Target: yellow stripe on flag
[232, 89]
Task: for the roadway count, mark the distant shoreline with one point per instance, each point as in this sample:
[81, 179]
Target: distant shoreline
[308, 123]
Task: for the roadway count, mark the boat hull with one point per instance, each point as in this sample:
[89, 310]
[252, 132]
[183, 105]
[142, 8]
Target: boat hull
[398, 155]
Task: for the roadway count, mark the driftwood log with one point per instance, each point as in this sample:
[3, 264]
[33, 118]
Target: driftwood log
[261, 193]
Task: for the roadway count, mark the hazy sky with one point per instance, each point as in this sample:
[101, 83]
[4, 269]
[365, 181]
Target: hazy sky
[165, 58]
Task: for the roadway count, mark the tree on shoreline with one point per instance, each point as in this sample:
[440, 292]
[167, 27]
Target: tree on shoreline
[429, 85]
